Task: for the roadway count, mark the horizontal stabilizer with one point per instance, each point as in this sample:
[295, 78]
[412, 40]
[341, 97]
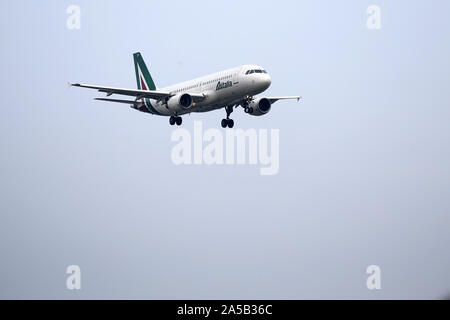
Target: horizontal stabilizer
[118, 100]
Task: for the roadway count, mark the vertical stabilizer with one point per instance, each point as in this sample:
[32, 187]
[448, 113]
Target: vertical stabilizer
[143, 78]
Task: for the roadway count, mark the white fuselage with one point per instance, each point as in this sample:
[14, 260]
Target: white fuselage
[225, 88]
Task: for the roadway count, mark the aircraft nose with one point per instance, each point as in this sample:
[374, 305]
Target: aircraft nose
[266, 81]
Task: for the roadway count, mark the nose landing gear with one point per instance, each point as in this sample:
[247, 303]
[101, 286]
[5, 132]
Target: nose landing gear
[228, 122]
[246, 105]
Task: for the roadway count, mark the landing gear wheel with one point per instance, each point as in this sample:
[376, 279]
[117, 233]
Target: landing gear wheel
[178, 121]
[228, 122]
[172, 120]
[246, 109]
[250, 110]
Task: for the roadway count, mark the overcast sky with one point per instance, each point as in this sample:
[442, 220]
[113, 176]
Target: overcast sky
[364, 160]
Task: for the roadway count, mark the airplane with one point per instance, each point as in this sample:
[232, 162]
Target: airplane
[226, 89]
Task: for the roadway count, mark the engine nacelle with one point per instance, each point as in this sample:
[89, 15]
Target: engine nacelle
[260, 106]
[183, 101]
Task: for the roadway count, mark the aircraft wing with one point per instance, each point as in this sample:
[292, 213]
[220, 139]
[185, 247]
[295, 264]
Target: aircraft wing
[139, 94]
[275, 99]
[197, 97]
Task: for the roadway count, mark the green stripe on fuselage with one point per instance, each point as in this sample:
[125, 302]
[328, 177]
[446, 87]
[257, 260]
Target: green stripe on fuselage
[150, 107]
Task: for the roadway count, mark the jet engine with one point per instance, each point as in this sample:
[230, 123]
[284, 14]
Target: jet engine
[183, 101]
[258, 107]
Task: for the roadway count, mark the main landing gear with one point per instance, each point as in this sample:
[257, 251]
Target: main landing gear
[175, 119]
[228, 122]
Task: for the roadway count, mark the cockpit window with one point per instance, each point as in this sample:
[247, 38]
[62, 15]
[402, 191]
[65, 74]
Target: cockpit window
[255, 71]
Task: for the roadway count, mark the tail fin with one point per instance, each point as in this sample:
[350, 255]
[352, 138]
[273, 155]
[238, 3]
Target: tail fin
[143, 78]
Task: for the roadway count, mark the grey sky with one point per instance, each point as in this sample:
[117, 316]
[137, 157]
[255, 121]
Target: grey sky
[364, 159]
